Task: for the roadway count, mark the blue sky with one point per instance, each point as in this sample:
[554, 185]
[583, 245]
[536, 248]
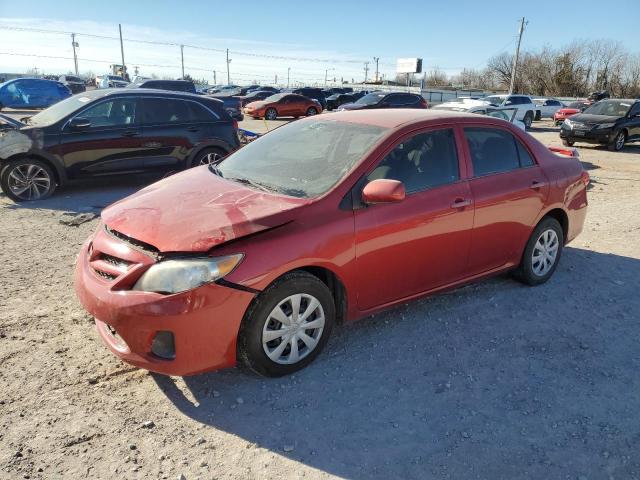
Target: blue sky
[347, 33]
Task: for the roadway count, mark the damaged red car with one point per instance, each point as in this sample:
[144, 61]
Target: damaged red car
[319, 222]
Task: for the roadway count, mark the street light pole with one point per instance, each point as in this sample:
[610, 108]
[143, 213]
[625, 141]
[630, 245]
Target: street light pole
[376, 59]
[366, 71]
[124, 68]
[288, 72]
[325, 75]
[228, 75]
[182, 59]
[514, 70]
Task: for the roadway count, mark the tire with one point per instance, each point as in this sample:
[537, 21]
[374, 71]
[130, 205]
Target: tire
[274, 302]
[38, 174]
[538, 115]
[210, 155]
[528, 120]
[534, 270]
[311, 111]
[618, 141]
[567, 143]
[271, 114]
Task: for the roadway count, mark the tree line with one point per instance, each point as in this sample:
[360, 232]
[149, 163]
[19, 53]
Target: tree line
[574, 70]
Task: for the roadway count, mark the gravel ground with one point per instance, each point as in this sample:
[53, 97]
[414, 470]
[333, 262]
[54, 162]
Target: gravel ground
[494, 380]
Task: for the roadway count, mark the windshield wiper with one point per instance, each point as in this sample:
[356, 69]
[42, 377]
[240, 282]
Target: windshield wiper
[214, 168]
[261, 186]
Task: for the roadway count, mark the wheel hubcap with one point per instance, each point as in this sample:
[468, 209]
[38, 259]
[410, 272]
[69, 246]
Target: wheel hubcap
[620, 141]
[210, 158]
[293, 329]
[29, 182]
[545, 253]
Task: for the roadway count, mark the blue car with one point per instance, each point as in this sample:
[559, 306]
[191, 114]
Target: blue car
[32, 93]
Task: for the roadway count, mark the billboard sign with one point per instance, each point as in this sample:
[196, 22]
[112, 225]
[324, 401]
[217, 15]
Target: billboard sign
[409, 65]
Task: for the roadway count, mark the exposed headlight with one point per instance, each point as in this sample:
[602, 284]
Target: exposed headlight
[605, 125]
[174, 276]
[568, 123]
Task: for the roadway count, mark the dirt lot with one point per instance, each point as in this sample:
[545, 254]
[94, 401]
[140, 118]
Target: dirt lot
[495, 380]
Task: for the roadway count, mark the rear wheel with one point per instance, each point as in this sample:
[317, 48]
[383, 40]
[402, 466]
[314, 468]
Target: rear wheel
[542, 253]
[271, 114]
[618, 141]
[312, 111]
[27, 179]
[208, 156]
[567, 143]
[287, 325]
[528, 120]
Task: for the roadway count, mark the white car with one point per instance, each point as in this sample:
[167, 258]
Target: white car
[547, 107]
[526, 109]
[482, 108]
[112, 81]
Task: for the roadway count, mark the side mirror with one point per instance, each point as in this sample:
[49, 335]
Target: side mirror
[79, 123]
[383, 191]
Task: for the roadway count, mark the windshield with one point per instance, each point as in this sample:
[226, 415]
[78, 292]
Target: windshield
[577, 105]
[115, 77]
[371, 99]
[59, 110]
[73, 79]
[494, 100]
[612, 108]
[303, 159]
[274, 98]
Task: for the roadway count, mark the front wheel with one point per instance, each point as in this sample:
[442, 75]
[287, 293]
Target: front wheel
[618, 142]
[542, 253]
[312, 111]
[287, 326]
[27, 179]
[208, 156]
[567, 143]
[271, 114]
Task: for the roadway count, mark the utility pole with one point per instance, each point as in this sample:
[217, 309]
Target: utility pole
[376, 59]
[215, 82]
[228, 75]
[124, 68]
[325, 75]
[514, 70]
[74, 44]
[182, 59]
[366, 71]
[288, 72]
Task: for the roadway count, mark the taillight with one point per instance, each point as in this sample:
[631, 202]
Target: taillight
[569, 152]
[235, 124]
[424, 103]
[585, 177]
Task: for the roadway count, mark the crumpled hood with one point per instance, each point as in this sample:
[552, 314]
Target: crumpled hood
[196, 210]
[592, 119]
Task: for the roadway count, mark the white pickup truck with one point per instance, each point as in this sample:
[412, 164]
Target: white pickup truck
[526, 109]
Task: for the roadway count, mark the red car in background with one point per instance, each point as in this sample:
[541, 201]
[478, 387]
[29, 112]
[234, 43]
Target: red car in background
[571, 109]
[322, 221]
[283, 105]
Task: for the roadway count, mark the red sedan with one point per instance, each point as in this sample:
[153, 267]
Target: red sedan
[319, 222]
[571, 109]
[283, 105]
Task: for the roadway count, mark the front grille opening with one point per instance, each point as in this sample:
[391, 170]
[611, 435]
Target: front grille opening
[115, 261]
[105, 275]
[163, 345]
[137, 244]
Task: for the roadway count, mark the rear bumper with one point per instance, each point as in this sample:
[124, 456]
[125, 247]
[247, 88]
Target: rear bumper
[204, 321]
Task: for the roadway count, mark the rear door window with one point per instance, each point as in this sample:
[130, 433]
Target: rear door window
[495, 151]
[165, 110]
[199, 113]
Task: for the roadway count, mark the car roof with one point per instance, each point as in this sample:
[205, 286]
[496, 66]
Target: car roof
[105, 92]
[396, 117]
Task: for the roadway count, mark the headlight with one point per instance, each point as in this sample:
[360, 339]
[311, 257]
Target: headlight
[568, 123]
[605, 125]
[174, 276]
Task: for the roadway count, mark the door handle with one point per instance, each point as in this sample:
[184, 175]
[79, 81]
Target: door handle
[536, 184]
[193, 129]
[461, 203]
[129, 133]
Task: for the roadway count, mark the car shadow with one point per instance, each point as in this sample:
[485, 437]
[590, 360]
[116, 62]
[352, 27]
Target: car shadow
[486, 381]
[628, 148]
[90, 195]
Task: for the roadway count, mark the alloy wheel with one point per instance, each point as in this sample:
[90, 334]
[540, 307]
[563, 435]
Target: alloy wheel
[293, 329]
[210, 158]
[620, 141]
[545, 253]
[29, 181]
